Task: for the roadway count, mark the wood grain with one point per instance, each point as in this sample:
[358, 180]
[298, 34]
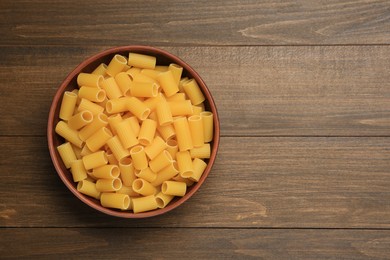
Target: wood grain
[274, 182]
[266, 91]
[178, 243]
[188, 22]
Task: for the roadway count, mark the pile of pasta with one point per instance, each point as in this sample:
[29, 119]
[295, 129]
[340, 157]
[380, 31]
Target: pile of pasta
[136, 133]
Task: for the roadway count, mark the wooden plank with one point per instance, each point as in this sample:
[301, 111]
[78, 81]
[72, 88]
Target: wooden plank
[188, 22]
[256, 182]
[179, 243]
[267, 91]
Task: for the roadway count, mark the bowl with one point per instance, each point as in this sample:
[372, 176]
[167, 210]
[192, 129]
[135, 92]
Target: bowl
[87, 66]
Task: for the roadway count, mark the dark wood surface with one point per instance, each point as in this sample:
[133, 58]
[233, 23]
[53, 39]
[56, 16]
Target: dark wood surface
[303, 93]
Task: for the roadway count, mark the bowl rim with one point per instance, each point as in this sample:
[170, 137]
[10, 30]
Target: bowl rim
[51, 133]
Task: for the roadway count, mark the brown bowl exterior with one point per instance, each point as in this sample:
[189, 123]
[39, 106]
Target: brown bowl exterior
[163, 58]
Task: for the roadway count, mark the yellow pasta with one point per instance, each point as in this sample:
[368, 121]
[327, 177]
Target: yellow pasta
[156, 147]
[150, 73]
[117, 148]
[100, 70]
[115, 200]
[134, 125]
[168, 83]
[203, 151]
[177, 97]
[187, 181]
[85, 151]
[126, 134]
[147, 132]
[167, 132]
[85, 104]
[111, 88]
[174, 188]
[116, 65]
[160, 161]
[163, 199]
[141, 61]
[199, 167]
[67, 154]
[183, 134]
[181, 108]
[107, 185]
[138, 108]
[132, 72]
[89, 80]
[88, 188]
[95, 160]
[77, 151]
[78, 170]
[116, 105]
[123, 80]
[193, 91]
[80, 119]
[127, 190]
[98, 139]
[208, 125]
[147, 174]
[138, 156]
[98, 121]
[184, 163]
[68, 105]
[196, 110]
[144, 204]
[68, 134]
[143, 187]
[113, 120]
[92, 94]
[144, 89]
[181, 83]
[111, 157]
[152, 102]
[172, 147]
[196, 128]
[176, 70]
[166, 174]
[106, 172]
[127, 171]
[164, 114]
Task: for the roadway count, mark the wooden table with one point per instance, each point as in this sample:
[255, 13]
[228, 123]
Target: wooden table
[303, 92]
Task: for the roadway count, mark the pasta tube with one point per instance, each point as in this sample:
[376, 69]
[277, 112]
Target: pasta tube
[88, 188]
[116, 65]
[68, 134]
[183, 134]
[143, 204]
[174, 188]
[67, 154]
[141, 61]
[68, 105]
[115, 200]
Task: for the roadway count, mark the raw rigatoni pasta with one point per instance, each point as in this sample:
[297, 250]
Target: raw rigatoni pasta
[168, 83]
[68, 133]
[68, 105]
[141, 61]
[115, 200]
[183, 134]
[116, 65]
[89, 80]
[67, 154]
[136, 133]
[143, 204]
[193, 91]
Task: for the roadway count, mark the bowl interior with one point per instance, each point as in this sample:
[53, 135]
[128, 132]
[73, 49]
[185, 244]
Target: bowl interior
[163, 58]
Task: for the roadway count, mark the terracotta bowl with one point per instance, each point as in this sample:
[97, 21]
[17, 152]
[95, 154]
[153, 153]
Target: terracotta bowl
[163, 58]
